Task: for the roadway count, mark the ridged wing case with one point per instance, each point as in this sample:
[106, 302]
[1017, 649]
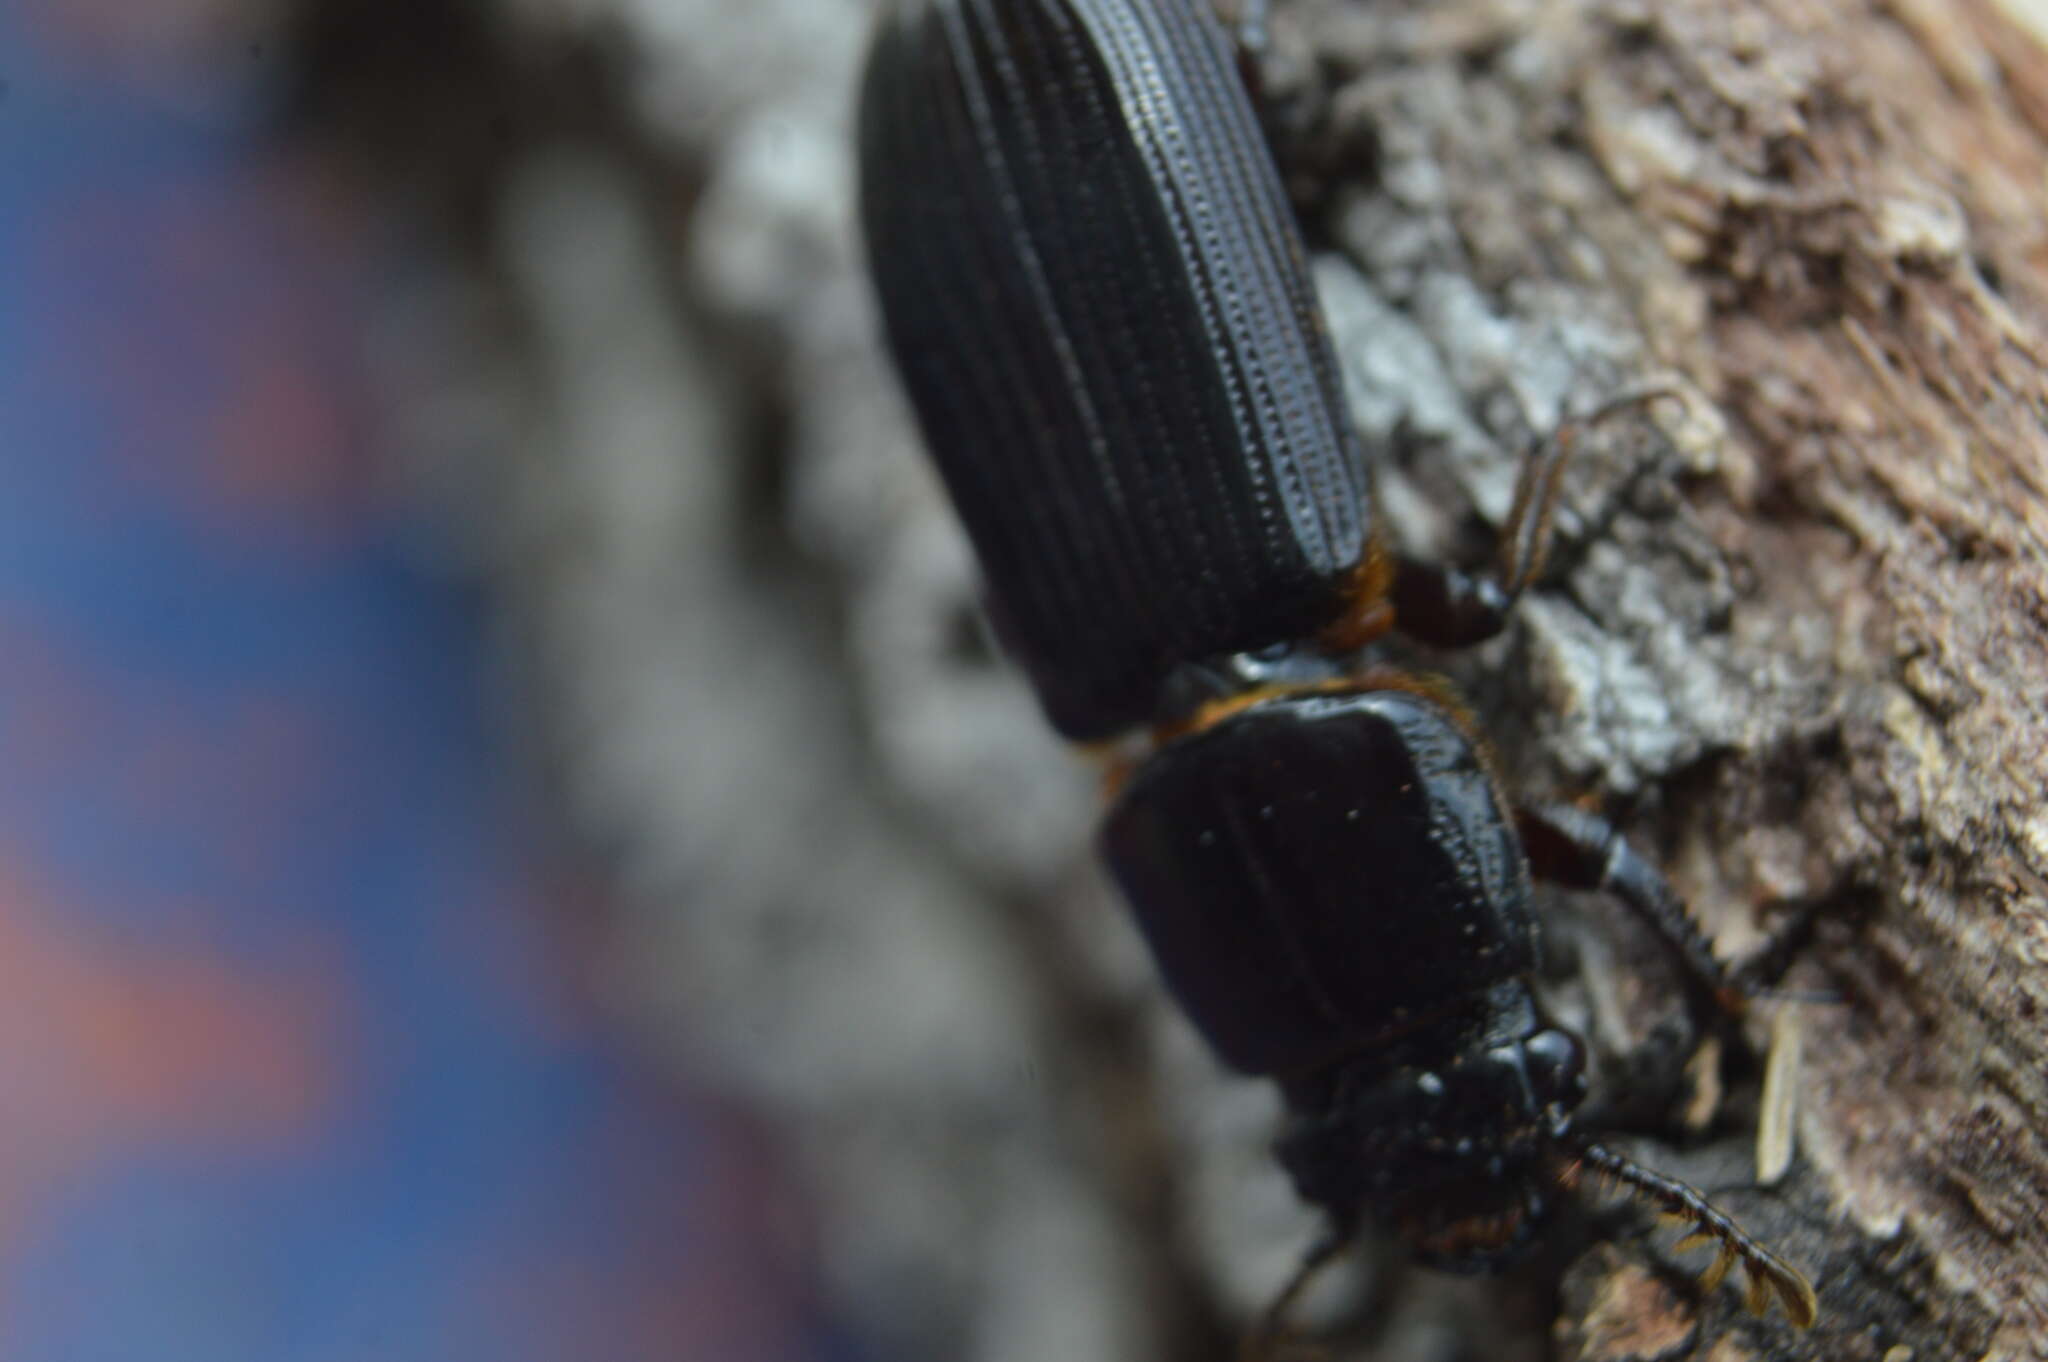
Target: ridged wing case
[1099, 304]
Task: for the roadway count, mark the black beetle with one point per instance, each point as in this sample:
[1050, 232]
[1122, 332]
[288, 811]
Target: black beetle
[1339, 897]
[1100, 306]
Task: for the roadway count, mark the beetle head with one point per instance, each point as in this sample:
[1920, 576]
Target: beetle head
[1460, 1159]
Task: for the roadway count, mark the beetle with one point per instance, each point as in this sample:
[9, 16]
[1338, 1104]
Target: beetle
[1099, 304]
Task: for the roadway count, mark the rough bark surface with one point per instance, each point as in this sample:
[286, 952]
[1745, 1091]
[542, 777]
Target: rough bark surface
[1820, 664]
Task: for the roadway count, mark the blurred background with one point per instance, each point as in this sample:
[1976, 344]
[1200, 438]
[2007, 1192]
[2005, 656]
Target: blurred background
[513, 844]
[513, 841]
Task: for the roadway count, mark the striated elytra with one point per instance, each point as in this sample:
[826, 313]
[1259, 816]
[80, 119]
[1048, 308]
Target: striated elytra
[1099, 304]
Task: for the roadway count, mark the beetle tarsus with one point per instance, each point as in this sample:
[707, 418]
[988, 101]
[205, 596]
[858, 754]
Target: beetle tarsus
[1769, 1277]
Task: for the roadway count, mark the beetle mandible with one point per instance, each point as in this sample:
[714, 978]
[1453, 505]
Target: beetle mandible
[1099, 303]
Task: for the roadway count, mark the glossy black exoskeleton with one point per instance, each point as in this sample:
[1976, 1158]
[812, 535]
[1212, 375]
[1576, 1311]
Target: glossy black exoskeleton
[1337, 898]
[1340, 898]
[1100, 306]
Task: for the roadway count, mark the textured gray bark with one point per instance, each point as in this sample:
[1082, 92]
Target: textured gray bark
[1795, 641]
[1806, 654]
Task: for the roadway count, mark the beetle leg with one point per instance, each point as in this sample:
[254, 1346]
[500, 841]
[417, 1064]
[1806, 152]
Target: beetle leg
[1569, 846]
[1582, 850]
[1449, 607]
[1769, 1275]
[1757, 977]
[1263, 1339]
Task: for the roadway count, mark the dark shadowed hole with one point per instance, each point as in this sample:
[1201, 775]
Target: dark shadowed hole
[967, 642]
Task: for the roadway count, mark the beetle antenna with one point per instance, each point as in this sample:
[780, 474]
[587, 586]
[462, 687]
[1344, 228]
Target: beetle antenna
[1804, 997]
[1768, 1275]
[1638, 395]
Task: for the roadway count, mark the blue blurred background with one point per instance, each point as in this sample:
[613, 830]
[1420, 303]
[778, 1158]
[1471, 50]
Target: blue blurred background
[301, 1055]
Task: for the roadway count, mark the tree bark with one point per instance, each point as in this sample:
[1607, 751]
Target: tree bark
[1806, 656]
